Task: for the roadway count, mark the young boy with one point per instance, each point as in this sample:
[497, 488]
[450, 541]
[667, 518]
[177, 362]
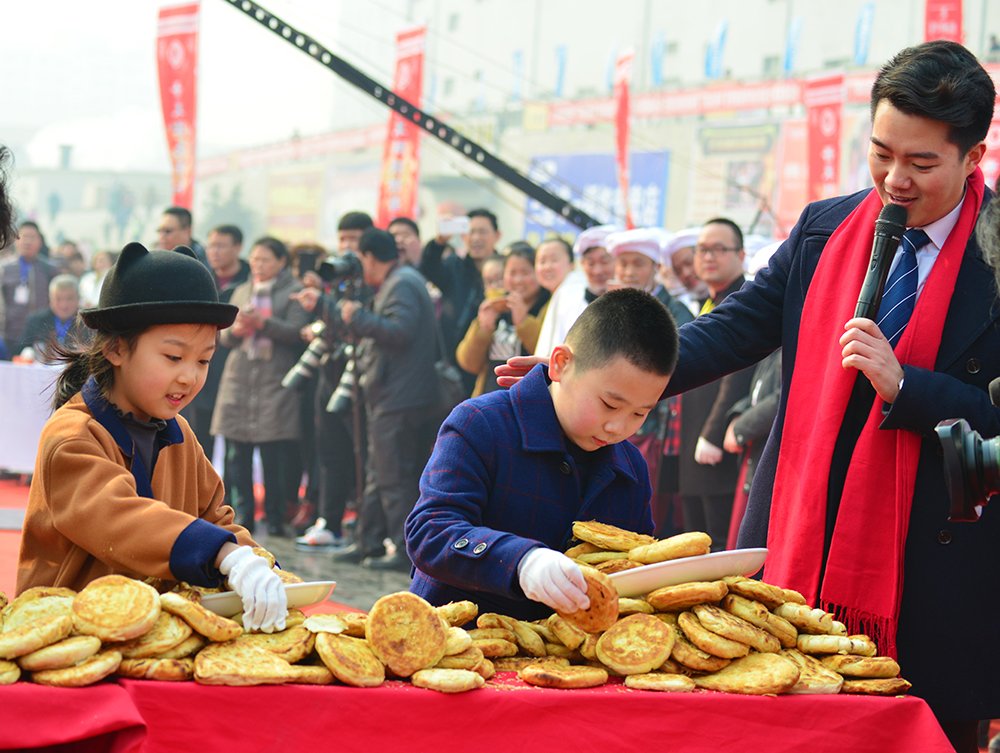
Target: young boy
[512, 469]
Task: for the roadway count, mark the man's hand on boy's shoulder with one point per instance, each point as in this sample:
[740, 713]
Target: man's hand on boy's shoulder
[553, 579]
[510, 373]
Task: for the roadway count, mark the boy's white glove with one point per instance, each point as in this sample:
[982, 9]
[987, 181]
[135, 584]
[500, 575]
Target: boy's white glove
[554, 579]
[265, 605]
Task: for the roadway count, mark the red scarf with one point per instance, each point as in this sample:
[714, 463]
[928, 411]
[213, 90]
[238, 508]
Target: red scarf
[864, 572]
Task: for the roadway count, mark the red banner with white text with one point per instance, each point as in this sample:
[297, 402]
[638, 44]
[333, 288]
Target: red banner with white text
[824, 98]
[177, 60]
[943, 20]
[397, 194]
[623, 70]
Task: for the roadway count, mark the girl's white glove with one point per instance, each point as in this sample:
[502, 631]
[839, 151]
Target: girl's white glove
[265, 605]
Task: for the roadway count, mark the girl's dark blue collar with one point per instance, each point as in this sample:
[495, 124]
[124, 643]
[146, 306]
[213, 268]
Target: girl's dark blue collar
[106, 416]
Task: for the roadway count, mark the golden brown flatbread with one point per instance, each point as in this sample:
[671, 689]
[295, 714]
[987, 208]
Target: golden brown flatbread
[292, 645]
[528, 640]
[690, 656]
[822, 644]
[754, 674]
[633, 606]
[730, 626]
[568, 634]
[213, 626]
[661, 681]
[814, 678]
[636, 644]
[351, 660]
[495, 647]
[757, 614]
[168, 631]
[170, 670]
[617, 566]
[116, 608]
[708, 641]
[607, 536]
[490, 634]
[65, 653]
[686, 595]
[458, 613]
[692, 544]
[406, 633]
[468, 659]
[768, 595]
[447, 680]
[33, 603]
[485, 669]
[34, 635]
[548, 676]
[235, 663]
[458, 641]
[492, 620]
[583, 548]
[806, 620]
[872, 667]
[191, 646]
[886, 686]
[9, 672]
[603, 609]
[94, 669]
[517, 663]
[596, 558]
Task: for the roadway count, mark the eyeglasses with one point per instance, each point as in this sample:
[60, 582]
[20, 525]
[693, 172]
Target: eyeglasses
[713, 250]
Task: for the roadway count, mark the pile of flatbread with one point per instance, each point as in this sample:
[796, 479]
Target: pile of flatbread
[733, 635]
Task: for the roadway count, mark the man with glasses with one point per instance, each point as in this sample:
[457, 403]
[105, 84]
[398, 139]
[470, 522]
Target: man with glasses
[175, 230]
[708, 475]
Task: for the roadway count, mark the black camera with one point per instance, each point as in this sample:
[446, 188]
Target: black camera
[971, 467]
[305, 368]
[343, 268]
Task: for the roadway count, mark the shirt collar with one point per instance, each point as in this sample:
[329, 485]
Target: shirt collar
[939, 230]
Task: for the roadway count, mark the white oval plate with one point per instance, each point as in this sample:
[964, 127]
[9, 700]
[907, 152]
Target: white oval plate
[639, 581]
[299, 595]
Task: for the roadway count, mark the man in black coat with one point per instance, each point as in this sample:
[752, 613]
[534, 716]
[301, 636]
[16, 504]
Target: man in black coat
[396, 351]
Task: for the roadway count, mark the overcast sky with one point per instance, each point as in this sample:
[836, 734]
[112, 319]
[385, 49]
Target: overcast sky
[84, 73]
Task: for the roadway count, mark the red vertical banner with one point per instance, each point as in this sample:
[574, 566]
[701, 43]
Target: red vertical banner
[177, 59]
[623, 70]
[943, 20]
[397, 194]
[824, 98]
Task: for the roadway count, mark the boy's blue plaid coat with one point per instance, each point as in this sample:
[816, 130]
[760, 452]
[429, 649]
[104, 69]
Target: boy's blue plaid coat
[499, 482]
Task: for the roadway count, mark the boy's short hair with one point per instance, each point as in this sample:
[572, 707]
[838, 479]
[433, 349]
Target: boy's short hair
[355, 221]
[628, 323]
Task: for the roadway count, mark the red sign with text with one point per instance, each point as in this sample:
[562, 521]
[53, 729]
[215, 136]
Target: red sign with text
[943, 20]
[824, 97]
[177, 60]
[623, 70]
[397, 194]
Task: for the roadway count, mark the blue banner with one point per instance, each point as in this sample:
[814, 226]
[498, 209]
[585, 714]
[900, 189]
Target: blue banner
[590, 182]
[792, 44]
[560, 70]
[656, 54]
[863, 33]
[716, 47]
[515, 86]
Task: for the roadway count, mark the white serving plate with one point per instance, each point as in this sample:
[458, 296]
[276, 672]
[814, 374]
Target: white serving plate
[299, 595]
[639, 581]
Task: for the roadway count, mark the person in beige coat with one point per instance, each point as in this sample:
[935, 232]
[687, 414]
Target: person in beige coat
[252, 408]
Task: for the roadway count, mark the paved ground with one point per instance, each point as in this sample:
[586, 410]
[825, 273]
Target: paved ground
[357, 586]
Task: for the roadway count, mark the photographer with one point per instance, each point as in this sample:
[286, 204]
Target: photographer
[395, 360]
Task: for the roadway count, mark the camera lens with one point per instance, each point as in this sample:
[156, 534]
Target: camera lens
[971, 467]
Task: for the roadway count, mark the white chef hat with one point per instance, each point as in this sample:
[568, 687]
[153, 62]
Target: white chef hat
[761, 257]
[681, 239]
[643, 240]
[592, 236]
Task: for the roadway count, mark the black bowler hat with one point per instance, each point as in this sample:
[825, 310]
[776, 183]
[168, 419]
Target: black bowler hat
[146, 288]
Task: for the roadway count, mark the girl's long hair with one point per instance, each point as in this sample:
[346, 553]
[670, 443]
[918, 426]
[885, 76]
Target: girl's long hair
[84, 360]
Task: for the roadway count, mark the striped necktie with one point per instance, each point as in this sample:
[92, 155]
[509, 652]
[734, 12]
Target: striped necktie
[901, 289]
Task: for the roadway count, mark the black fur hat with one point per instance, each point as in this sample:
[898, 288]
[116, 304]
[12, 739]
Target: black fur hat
[146, 288]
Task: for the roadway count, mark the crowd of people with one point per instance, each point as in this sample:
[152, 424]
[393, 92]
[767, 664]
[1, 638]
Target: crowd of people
[770, 404]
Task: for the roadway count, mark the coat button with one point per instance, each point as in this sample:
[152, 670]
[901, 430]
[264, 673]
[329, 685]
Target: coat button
[973, 366]
[461, 543]
[564, 467]
[480, 548]
[944, 537]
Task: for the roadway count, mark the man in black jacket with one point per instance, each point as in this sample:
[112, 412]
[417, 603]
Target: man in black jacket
[395, 361]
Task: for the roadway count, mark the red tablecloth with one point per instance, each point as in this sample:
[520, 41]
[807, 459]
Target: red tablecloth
[507, 714]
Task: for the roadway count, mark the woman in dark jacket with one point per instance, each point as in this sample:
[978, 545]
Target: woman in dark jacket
[253, 409]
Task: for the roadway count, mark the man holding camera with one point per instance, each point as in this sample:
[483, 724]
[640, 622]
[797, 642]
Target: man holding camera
[395, 355]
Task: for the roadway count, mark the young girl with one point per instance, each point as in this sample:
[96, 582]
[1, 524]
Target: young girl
[121, 485]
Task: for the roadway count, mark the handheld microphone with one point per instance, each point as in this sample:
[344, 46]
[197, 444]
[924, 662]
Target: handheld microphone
[889, 229]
